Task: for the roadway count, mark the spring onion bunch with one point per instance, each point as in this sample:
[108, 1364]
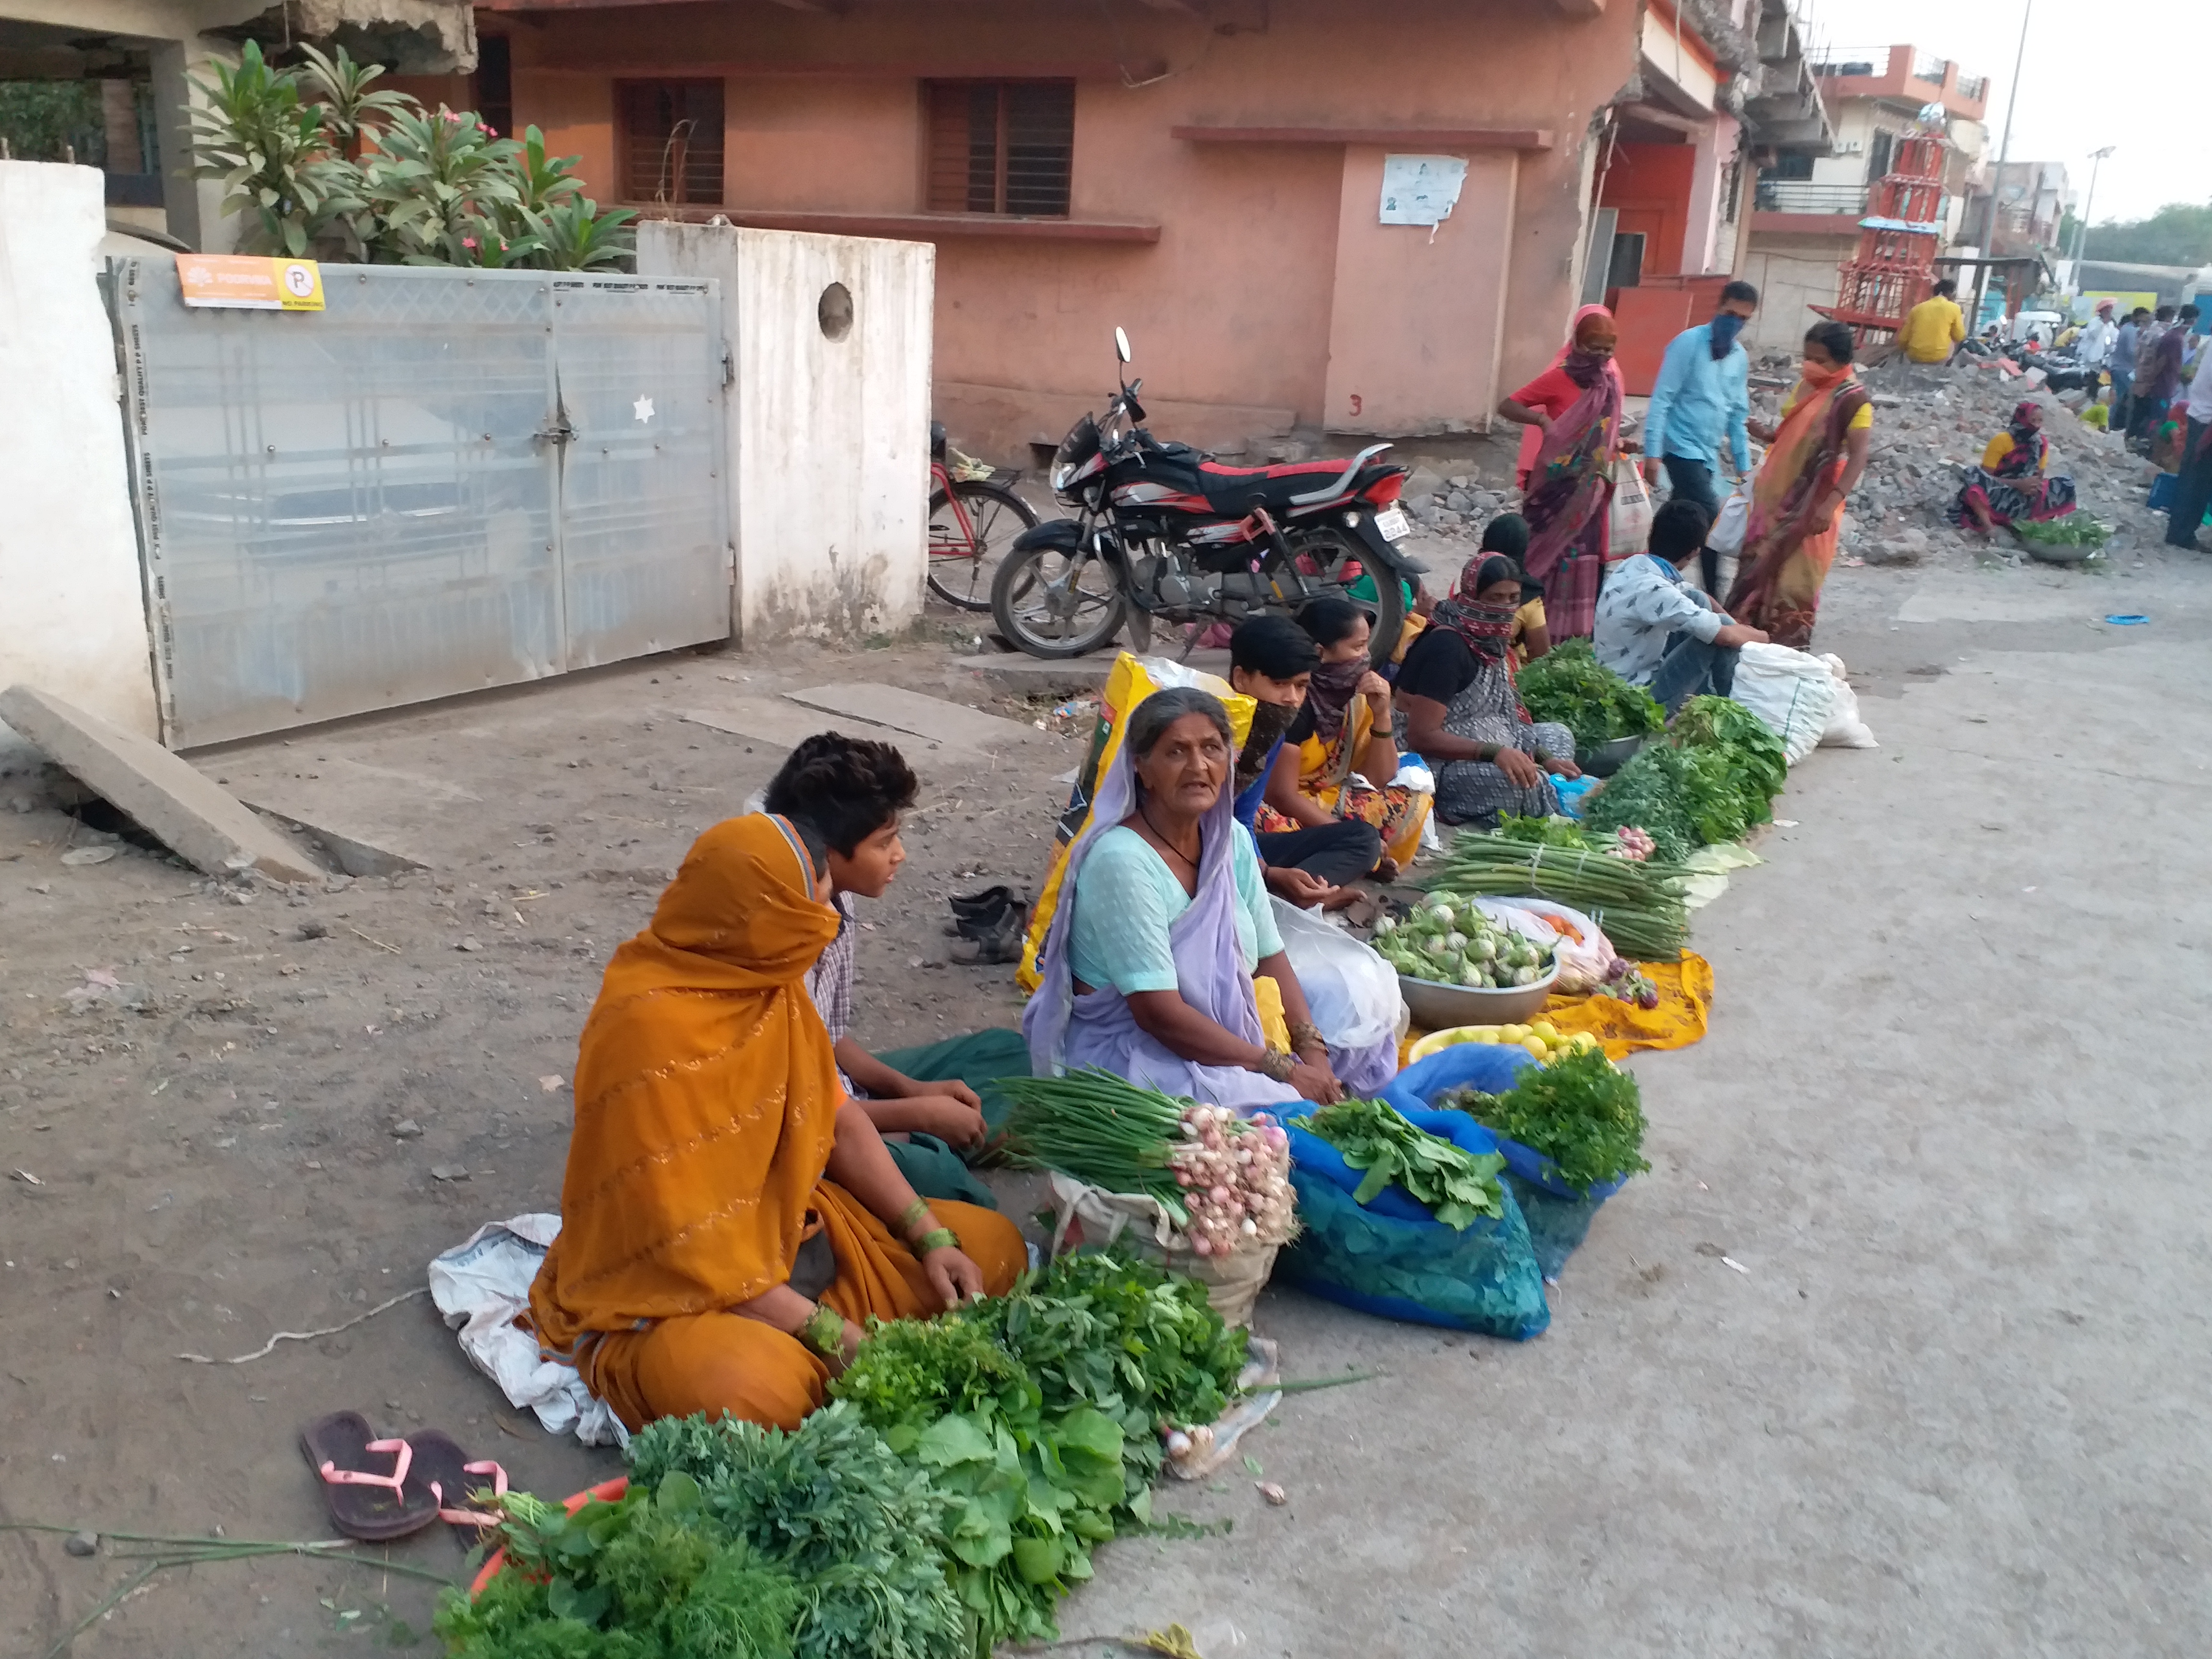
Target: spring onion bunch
[1638, 902]
[1224, 1180]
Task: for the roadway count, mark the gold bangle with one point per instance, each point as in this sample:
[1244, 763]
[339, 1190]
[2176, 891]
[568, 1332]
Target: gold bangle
[937, 1238]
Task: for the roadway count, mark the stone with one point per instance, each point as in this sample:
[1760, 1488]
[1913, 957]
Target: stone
[81, 1544]
[1459, 500]
[1895, 552]
[1460, 481]
[188, 812]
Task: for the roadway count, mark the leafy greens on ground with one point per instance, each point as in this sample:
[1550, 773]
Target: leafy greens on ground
[1713, 780]
[1570, 685]
[1580, 1110]
[1459, 1188]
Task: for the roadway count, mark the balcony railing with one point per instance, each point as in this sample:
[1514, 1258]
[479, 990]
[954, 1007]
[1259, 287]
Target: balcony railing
[1974, 90]
[1786, 196]
[1851, 60]
[1928, 67]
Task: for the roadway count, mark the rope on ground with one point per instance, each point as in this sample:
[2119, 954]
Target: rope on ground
[308, 1336]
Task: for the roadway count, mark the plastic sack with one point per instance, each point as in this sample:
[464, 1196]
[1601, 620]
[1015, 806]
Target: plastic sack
[1733, 520]
[1558, 1217]
[1352, 992]
[1391, 1258]
[1087, 1218]
[1845, 730]
[1793, 693]
[1628, 528]
[1130, 681]
[1572, 792]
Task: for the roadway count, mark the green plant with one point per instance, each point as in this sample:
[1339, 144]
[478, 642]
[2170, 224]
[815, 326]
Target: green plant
[1580, 1110]
[320, 163]
[1638, 904]
[1570, 685]
[1457, 1186]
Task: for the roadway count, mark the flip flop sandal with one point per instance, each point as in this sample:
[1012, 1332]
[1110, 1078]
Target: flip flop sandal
[445, 1468]
[363, 1502]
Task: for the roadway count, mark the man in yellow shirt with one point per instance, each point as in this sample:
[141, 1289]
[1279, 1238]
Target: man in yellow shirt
[1934, 328]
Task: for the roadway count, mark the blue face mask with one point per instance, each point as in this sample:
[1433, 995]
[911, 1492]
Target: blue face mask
[1726, 327]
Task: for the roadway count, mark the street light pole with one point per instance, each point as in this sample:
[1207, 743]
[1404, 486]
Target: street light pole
[2004, 155]
[2081, 230]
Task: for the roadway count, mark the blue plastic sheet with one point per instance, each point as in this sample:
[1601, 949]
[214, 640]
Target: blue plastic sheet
[1391, 1258]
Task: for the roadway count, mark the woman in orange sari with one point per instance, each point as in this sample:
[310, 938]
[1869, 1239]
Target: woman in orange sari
[729, 1219]
[1814, 460]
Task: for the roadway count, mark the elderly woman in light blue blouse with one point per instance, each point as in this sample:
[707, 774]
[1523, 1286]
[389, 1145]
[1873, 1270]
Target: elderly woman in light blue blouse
[1148, 968]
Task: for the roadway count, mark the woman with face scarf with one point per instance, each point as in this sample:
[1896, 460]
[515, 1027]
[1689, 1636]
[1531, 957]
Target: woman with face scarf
[1464, 716]
[2014, 481]
[1814, 458]
[1570, 482]
[1345, 734]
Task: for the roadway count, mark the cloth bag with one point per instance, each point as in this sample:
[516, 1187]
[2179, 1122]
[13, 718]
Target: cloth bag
[1735, 518]
[1629, 526]
[1087, 1218]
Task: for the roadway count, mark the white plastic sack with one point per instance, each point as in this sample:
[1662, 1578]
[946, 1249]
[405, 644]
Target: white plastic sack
[1629, 530]
[1088, 1218]
[1727, 534]
[1793, 693]
[1352, 991]
[1845, 729]
[482, 1288]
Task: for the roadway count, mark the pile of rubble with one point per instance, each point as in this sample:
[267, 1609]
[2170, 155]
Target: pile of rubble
[1454, 506]
[1929, 434]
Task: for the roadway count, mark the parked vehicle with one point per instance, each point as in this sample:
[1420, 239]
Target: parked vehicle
[975, 515]
[1167, 534]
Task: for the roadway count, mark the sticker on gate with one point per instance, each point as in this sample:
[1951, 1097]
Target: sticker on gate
[236, 281]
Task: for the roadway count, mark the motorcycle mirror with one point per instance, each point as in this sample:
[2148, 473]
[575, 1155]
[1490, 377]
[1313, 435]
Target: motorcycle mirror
[1121, 346]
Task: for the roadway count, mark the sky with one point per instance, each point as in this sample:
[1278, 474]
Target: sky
[2084, 84]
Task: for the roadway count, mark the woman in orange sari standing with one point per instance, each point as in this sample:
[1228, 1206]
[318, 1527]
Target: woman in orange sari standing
[729, 1219]
[1815, 460]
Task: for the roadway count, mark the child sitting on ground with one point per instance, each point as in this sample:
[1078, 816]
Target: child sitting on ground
[851, 791]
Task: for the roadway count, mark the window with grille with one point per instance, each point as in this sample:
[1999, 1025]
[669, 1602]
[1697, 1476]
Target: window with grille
[671, 140]
[1001, 146]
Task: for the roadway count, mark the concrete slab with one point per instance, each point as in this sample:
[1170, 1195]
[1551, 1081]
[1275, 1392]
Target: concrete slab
[374, 820]
[1023, 676]
[951, 723]
[781, 725]
[194, 817]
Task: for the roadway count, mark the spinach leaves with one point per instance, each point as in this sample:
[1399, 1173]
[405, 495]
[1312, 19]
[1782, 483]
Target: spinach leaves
[1570, 685]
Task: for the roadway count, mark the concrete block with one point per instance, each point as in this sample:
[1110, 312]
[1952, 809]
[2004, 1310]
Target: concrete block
[201, 822]
[951, 723]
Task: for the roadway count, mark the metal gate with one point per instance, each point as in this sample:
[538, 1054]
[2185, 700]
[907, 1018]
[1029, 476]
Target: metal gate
[445, 481]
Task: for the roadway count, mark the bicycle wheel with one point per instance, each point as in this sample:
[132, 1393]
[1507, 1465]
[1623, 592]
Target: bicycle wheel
[970, 529]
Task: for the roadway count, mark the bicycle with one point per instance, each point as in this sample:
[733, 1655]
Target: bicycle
[974, 517]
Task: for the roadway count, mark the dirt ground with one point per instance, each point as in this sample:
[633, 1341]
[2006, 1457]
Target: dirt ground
[238, 1137]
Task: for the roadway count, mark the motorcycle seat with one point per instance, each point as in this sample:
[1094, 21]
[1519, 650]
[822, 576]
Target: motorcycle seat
[1234, 488]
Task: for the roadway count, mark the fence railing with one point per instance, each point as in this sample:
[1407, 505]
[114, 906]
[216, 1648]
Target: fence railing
[1978, 87]
[1788, 196]
[1850, 60]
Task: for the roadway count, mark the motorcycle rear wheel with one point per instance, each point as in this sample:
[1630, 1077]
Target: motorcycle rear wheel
[1054, 606]
[1327, 552]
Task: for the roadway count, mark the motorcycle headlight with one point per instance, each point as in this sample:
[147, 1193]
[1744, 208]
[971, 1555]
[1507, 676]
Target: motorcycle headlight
[1062, 476]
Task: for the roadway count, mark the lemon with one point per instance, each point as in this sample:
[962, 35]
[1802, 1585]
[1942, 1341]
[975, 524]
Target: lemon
[1535, 1047]
[1543, 1029]
[1584, 1041]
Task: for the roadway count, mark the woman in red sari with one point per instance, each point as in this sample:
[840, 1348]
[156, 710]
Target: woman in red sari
[1569, 485]
[1814, 458]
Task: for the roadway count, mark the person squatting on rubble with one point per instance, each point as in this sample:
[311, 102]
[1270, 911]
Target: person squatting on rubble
[1655, 631]
[1162, 963]
[2014, 481]
[1340, 753]
[1464, 715]
[730, 1219]
[1701, 401]
[1816, 456]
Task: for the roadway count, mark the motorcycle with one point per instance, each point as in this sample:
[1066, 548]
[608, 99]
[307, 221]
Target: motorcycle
[1166, 534]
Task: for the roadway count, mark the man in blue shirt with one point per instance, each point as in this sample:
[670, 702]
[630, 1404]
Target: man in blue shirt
[1703, 396]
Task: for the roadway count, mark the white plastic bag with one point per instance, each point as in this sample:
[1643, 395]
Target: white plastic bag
[1728, 531]
[1845, 730]
[1352, 991]
[1792, 692]
[1629, 530]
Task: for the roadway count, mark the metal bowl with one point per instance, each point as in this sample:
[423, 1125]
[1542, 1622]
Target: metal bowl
[1436, 1006]
[1609, 757]
[2057, 553]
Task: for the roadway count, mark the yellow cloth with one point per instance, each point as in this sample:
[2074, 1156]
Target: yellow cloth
[1686, 999]
[2001, 446]
[1862, 422]
[706, 1098]
[1530, 617]
[1274, 1023]
[1932, 329]
[1324, 771]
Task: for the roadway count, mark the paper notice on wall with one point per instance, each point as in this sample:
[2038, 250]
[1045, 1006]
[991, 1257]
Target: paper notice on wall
[1421, 190]
[237, 282]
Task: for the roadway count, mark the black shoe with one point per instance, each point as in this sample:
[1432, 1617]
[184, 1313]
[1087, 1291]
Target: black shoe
[980, 904]
[1000, 942]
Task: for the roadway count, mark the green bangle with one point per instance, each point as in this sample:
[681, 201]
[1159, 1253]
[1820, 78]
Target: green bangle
[823, 1331]
[912, 1213]
[937, 1238]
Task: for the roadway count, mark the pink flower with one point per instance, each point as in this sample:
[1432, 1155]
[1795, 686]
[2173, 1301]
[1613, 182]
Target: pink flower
[450, 116]
[468, 241]
[488, 131]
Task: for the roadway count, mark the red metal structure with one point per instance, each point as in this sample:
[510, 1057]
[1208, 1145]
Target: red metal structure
[1894, 267]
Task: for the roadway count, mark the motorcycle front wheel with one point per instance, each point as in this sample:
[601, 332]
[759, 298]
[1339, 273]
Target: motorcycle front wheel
[1054, 604]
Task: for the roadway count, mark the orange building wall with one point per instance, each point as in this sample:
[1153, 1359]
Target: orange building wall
[1237, 305]
[1650, 184]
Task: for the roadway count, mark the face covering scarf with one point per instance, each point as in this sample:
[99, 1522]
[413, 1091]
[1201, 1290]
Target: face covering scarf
[1726, 327]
